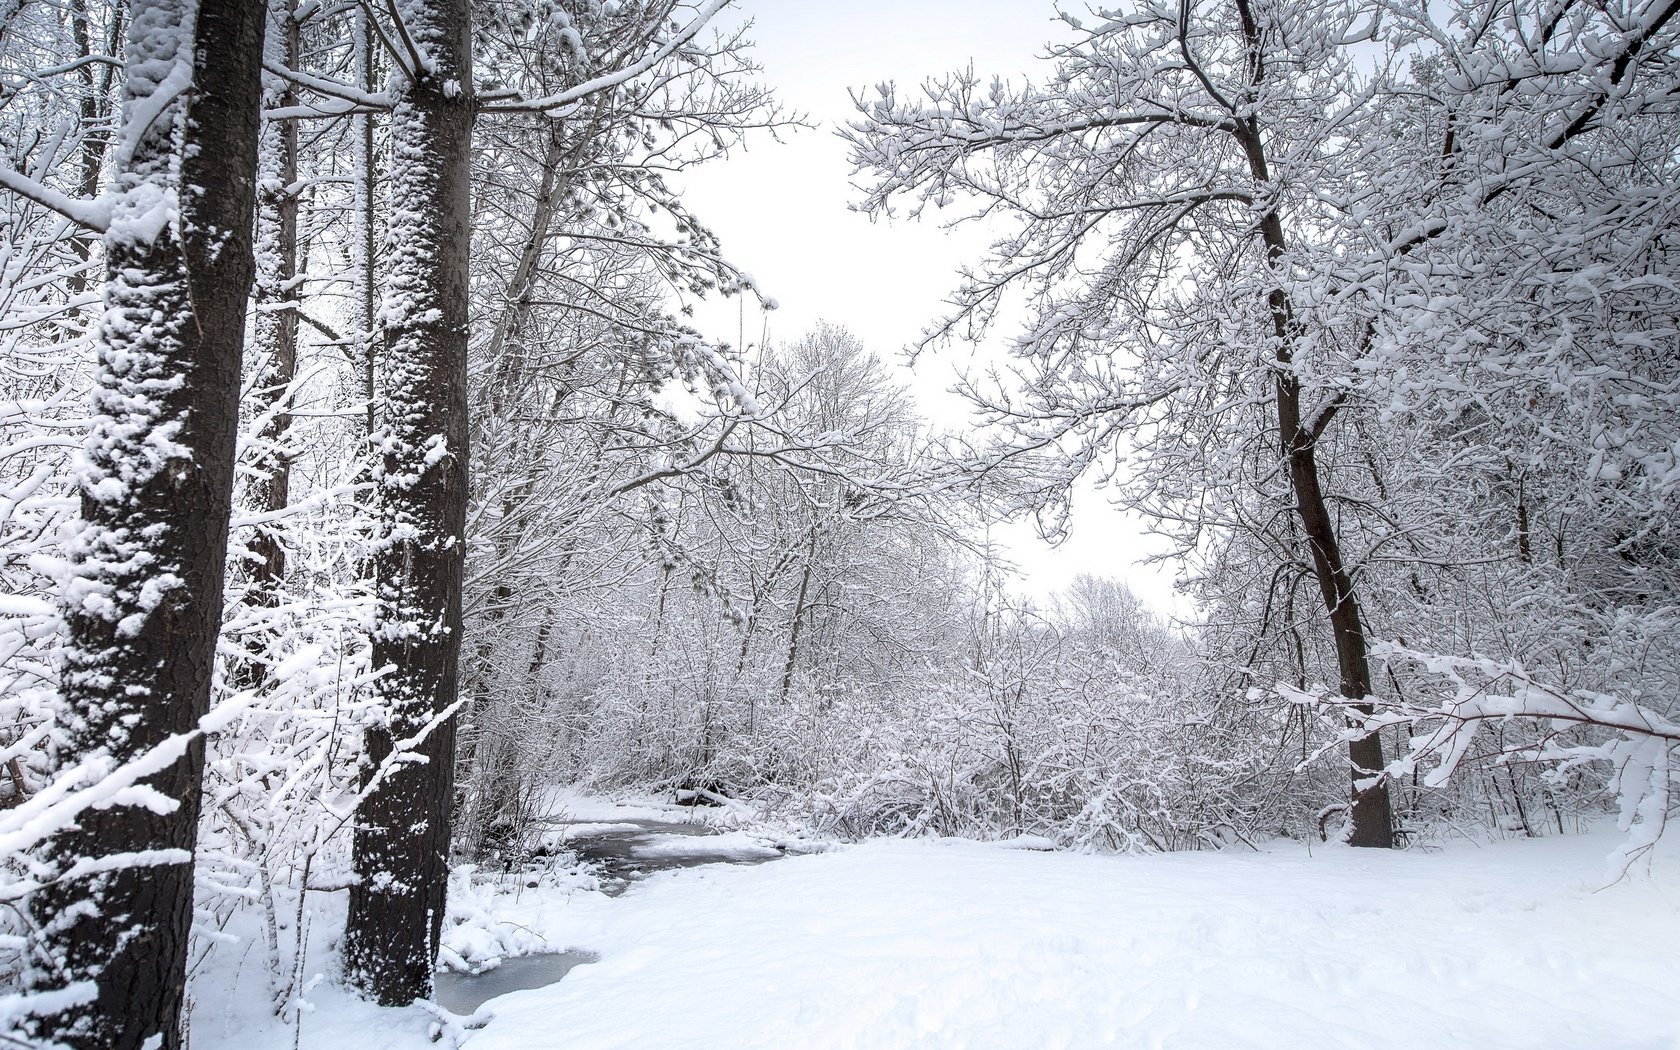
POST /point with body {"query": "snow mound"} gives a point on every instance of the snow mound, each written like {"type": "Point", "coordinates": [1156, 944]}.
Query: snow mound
{"type": "Point", "coordinates": [733, 846]}
{"type": "Point", "coordinates": [1037, 843]}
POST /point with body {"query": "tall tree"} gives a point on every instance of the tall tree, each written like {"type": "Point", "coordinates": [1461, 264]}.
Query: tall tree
{"type": "Point", "coordinates": [1167, 180]}
{"type": "Point", "coordinates": [143, 599]}
{"type": "Point", "coordinates": [403, 828]}
{"type": "Point", "coordinates": [629, 63]}
{"type": "Point", "coordinates": [274, 350]}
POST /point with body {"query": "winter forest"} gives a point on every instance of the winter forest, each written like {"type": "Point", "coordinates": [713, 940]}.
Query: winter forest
{"type": "Point", "coordinates": [408, 584]}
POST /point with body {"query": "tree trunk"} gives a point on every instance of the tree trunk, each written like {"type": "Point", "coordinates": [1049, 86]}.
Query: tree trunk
{"type": "Point", "coordinates": [94, 109]}
{"type": "Point", "coordinates": [367, 189]}
{"type": "Point", "coordinates": [1371, 818]}
{"type": "Point", "coordinates": [274, 333]}
{"type": "Point", "coordinates": [1372, 822]}
{"type": "Point", "coordinates": [506, 369]}
{"type": "Point", "coordinates": [402, 833]}
{"type": "Point", "coordinates": [506, 362]}
{"type": "Point", "coordinates": [798, 616]}
{"type": "Point", "coordinates": [144, 602]}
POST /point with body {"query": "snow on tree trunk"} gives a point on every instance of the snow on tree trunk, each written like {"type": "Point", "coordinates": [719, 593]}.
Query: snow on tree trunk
{"type": "Point", "coordinates": [403, 827]}
{"type": "Point", "coordinates": [143, 593]}
{"type": "Point", "coordinates": [365, 246]}
{"type": "Point", "coordinates": [275, 331]}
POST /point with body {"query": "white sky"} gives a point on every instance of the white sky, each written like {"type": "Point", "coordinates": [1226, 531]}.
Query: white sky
{"type": "Point", "coordinates": [781, 211]}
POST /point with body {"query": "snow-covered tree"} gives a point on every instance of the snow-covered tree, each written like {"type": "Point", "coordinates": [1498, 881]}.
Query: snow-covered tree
{"type": "Point", "coordinates": [1167, 182]}
{"type": "Point", "coordinates": [1340, 293]}
{"type": "Point", "coordinates": [142, 597]}
{"type": "Point", "coordinates": [622, 63]}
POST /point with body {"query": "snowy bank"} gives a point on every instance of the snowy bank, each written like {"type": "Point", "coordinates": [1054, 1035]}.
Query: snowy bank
{"type": "Point", "coordinates": [946, 943]}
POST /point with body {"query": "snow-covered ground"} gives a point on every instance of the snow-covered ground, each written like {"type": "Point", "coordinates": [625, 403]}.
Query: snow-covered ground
{"type": "Point", "coordinates": [942, 943]}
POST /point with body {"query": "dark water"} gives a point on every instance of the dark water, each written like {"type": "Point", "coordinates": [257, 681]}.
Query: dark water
{"type": "Point", "coordinates": [618, 856]}
{"type": "Point", "coordinates": [462, 993]}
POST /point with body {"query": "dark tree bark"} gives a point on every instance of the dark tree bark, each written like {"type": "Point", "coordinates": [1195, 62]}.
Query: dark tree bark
{"type": "Point", "coordinates": [367, 276]}
{"type": "Point", "coordinates": [96, 89]}
{"type": "Point", "coordinates": [1371, 818]}
{"type": "Point", "coordinates": [1372, 821]}
{"type": "Point", "coordinates": [403, 826]}
{"type": "Point", "coordinates": [275, 332]}
{"type": "Point", "coordinates": [799, 607]}
{"type": "Point", "coordinates": [144, 603]}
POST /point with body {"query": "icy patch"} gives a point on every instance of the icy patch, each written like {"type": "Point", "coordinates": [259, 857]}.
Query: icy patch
{"type": "Point", "coordinates": [592, 829]}
{"type": "Point", "coordinates": [464, 993]}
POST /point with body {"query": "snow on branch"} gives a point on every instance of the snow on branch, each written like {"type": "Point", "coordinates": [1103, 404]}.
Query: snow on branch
{"type": "Point", "coordinates": [358, 99]}
{"type": "Point", "coordinates": [1638, 742]}
{"type": "Point", "coordinates": [618, 77]}
{"type": "Point", "coordinates": [94, 783]}
{"type": "Point", "coordinates": [94, 215]}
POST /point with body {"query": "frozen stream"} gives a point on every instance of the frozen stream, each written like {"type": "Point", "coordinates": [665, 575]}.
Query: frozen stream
{"type": "Point", "coordinates": [462, 993]}
{"type": "Point", "coordinates": [619, 853]}
{"type": "Point", "coordinates": [623, 851]}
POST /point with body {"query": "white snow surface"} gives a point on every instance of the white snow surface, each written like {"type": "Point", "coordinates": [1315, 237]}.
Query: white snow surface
{"type": "Point", "coordinates": [567, 804]}
{"type": "Point", "coordinates": [949, 943]}
{"type": "Point", "coordinates": [736, 845]}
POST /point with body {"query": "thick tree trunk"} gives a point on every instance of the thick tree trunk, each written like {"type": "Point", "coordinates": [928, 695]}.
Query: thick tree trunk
{"type": "Point", "coordinates": [144, 603]}
{"type": "Point", "coordinates": [403, 827]}
{"type": "Point", "coordinates": [274, 333]}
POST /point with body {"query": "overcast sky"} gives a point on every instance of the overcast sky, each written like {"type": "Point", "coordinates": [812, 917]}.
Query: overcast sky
{"type": "Point", "coordinates": [781, 211]}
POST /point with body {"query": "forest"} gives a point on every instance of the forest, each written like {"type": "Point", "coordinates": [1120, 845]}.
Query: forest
{"type": "Point", "coordinates": [374, 511]}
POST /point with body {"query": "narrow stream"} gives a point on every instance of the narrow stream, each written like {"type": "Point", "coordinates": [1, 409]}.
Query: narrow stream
{"type": "Point", "coordinates": [624, 851]}
{"type": "Point", "coordinates": [618, 853]}
{"type": "Point", "coordinates": [463, 993]}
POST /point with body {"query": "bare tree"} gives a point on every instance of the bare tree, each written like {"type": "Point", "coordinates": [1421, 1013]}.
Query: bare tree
{"type": "Point", "coordinates": [1155, 148]}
